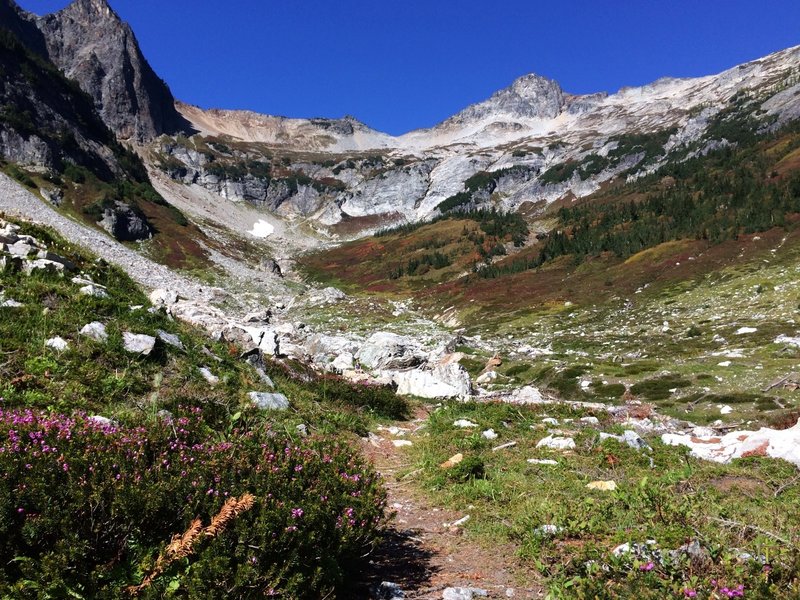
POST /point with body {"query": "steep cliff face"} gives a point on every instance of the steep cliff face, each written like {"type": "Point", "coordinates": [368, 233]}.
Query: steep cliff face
{"type": "Point", "coordinates": [91, 45]}
{"type": "Point", "coordinates": [45, 119]}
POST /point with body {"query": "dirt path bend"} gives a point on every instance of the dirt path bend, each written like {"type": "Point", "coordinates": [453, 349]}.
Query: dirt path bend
{"type": "Point", "coordinates": [424, 554]}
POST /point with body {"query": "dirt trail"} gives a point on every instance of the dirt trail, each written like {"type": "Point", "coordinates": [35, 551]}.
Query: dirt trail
{"type": "Point", "coordinates": [423, 555]}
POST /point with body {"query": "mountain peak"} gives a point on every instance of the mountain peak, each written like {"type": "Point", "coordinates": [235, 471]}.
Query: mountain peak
{"type": "Point", "coordinates": [528, 97]}
{"type": "Point", "coordinates": [93, 8]}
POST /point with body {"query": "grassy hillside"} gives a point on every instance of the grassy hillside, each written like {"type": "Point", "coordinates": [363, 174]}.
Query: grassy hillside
{"type": "Point", "coordinates": [106, 454]}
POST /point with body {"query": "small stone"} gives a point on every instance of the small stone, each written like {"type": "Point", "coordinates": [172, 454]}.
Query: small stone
{"type": "Point", "coordinates": [463, 593]}
{"type": "Point", "coordinates": [388, 590]}
{"type": "Point", "coordinates": [487, 377]}
{"type": "Point", "coordinates": [101, 420]}
{"type": "Point", "coordinates": [401, 443]}
{"type": "Point", "coordinates": [489, 434]}
{"type": "Point", "coordinates": [603, 486]}
{"type": "Point", "coordinates": [208, 375]}
{"type": "Point", "coordinates": [556, 443]}
{"type": "Point", "coordinates": [547, 530]}
{"type": "Point", "coordinates": [269, 400]}
{"type": "Point", "coordinates": [464, 423]}
{"type": "Point", "coordinates": [138, 343]}
{"type": "Point", "coordinates": [169, 338]}
{"type": "Point", "coordinates": [550, 421]}
{"type": "Point", "coordinates": [96, 331]}
{"type": "Point", "coordinates": [542, 461]}
{"type": "Point", "coordinates": [745, 330]}
{"type": "Point", "coordinates": [93, 290]}
{"type": "Point", "coordinates": [459, 522]}
{"type": "Point", "coordinates": [162, 297]}
{"type": "Point", "coordinates": [10, 303]}
{"type": "Point", "coordinates": [452, 461]}
{"type": "Point", "coordinates": [302, 430]}
{"type": "Point", "coordinates": [57, 343]}
{"type": "Point", "coordinates": [504, 446]}
{"type": "Point", "coordinates": [590, 420]}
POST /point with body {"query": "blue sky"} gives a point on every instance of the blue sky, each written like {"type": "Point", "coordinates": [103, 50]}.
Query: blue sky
{"type": "Point", "coordinates": [399, 66]}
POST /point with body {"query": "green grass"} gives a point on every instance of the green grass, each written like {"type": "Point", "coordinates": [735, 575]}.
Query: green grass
{"type": "Point", "coordinates": [672, 500]}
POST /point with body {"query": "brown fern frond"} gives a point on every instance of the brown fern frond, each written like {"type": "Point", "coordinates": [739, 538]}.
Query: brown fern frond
{"type": "Point", "coordinates": [182, 545]}
{"type": "Point", "coordinates": [229, 511]}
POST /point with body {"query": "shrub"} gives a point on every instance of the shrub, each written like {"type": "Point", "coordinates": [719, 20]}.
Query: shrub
{"type": "Point", "coordinates": [86, 508]}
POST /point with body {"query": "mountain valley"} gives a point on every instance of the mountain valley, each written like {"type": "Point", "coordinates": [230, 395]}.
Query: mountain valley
{"type": "Point", "coordinates": [570, 322]}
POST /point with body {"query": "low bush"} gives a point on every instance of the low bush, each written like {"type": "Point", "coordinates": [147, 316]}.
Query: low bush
{"type": "Point", "coordinates": [87, 507]}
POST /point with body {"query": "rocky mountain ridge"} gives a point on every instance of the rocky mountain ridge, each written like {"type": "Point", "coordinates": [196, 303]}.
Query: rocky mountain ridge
{"type": "Point", "coordinates": [528, 146]}
{"type": "Point", "coordinates": [91, 45]}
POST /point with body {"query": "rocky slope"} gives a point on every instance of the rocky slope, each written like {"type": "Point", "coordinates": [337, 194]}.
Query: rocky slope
{"type": "Point", "coordinates": [529, 145]}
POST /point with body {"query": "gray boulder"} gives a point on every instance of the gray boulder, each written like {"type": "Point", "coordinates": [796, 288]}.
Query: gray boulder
{"type": "Point", "coordinates": [389, 351]}
{"type": "Point", "coordinates": [138, 343]}
{"type": "Point", "coordinates": [125, 223]}
{"type": "Point", "coordinates": [95, 330]}
{"type": "Point", "coordinates": [269, 400]}
{"type": "Point", "coordinates": [446, 379]}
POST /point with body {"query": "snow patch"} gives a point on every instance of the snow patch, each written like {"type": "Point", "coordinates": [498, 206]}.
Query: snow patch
{"type": "Point", "coordinates": [262, 229]}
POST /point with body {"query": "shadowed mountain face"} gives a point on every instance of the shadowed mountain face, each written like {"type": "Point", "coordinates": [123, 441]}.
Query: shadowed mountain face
{"type": "Point", "coordinates": [89, 43]}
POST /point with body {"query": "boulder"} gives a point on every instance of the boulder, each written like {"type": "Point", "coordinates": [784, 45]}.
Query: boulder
{"type": "Point", "coordinates": [43, 265]}
{"type": "Point", "coordinates": [259, 316]}
{"type": "Point", "coordinates": [138, 343]}
{"type": "Point", "coordinates": [269, 400]}
{"type": "Point", "coordinates": [447, 379]}
{"type": "Point", "coordinates": [343, 362]}
{"type": "Point", "coordinates": [125, 223]}
{"type": "Point", "coordinates": [776, 443]}
{"type": "Point", "coordinates": [68, 264]}
{"type": "Point", "coordinates": [629, 437]}
{"type": "Point", "coordinates": [264, 338]}
{"type": "Point", "coordinates": [526, 395]}
{"type": "Point", "coordinates": [328, 295]}
{"type": "Point", "coordinates": [21, 248]}
{"type": "Point", "coordinates": [95, 330]}
{"type": "Point", "coordinates": [10, 303]}
{"type": "Point", "coordinates": [486, 377]}
{"type": "Point", "coordinates": [325, 348]}
{"type": "Point", "coordinates": [388, 590]}
{"type": "Point", "coordinates": [101, 421]}
{"type": "Point", "coordinates": [389, 351]}
{"type": "Point", "coordinates": [270, 265]}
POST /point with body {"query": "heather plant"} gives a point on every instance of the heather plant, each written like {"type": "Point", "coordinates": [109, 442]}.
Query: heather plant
{"type": "Point", "coordinates": [95, 509]}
